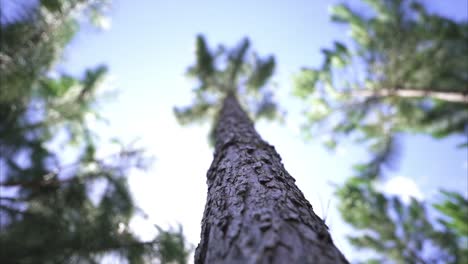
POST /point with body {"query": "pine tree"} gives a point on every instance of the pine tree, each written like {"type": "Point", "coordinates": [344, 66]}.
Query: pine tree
{"type": "Point", "coordinates": [254, 211]}
{"type": "Point", "coordinates": [47, 211]}
{"type": "Point", "coordinates": [403, 72]}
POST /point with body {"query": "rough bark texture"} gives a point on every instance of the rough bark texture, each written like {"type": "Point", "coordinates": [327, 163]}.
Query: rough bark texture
{"type": "Point", "coordinates": [254, 211]}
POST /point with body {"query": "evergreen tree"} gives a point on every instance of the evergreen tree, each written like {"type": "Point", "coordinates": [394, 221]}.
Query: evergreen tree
{"type": "Point", "coordinates": [404, 71]}
{"type": "Point", "coordinates": [48, 213]}
{"type": "Point", "coordinates": [254, 212]}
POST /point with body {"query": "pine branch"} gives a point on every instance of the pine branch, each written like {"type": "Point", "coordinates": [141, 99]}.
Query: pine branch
{"type": "Point", "coordinates": [50, 179]}
{"type": "Point", "coordinates": [455, 97]}
{"type": "Point", "coordinates": [14, 211]}
{"type": "Point", "coordinates": [11, 199]}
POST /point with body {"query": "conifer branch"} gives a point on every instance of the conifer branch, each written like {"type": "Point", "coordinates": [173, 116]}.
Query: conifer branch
{"type": "Point", "coordinates": [449, 96]}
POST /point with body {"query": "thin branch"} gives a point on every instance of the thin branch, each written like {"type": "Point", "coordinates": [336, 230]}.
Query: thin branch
{"type": "Point", "coordinates": [12, 199]}
{"type": "Point", "coordinates": [50, 179]}
{"type": "Point", "coordinates": [455, 97]}
{"type": "Point", "coordinates": [14, 211]}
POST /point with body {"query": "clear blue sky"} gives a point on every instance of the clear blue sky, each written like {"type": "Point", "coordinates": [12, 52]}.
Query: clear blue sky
{"type": "Point", "coordinates": [148, 48]}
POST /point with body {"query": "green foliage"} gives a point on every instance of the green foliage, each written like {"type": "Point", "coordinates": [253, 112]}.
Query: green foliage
{"type": "Point", "coordinates": [388, 78]}
{"type": "Point", "coordinates": [262, 72]}
{"type": "Point", "coordinates": [402, 71]}
{"type": "Point", "coordinates": [49, 210]}
{"type": "Point", "coordinates": [172, 247]}
{"type": "Point", "coordinates": [224, 71]}
{"type": "Point", "coordinates": [400, 232]}
{"type": "Point", "coordinates": [204, 67]}
{"type": "Point", "coordinates": [455, 207]}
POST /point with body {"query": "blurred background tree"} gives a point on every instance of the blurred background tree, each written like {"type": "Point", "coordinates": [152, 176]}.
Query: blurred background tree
{"type": "Point", "coordinates": [404, 70]}
{"type": "Point", "coordinates": [59, 201]}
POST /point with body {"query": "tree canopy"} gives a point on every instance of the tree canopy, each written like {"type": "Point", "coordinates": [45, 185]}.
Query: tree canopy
{"type": "Point", "coordinates": [220, 71]}
{"type": "Point", "coordinates": [402, 71]}
{"type": "Point", "coordinates": [53, 210]}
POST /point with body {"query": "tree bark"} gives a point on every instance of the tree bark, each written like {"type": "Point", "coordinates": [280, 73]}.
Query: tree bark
{"type": "Point", "coordinates": [254, 212]}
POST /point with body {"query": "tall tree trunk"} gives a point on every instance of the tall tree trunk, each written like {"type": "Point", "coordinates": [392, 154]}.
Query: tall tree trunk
{"type": "Point", "coordinates": [254, 211]}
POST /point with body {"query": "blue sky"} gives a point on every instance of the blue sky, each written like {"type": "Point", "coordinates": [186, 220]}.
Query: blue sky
{"type": "Point", "coordinates": [148, 48]}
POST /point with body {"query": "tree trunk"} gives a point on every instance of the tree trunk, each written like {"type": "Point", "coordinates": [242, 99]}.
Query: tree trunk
{"type": "Point", "coordinates": [254, 211]}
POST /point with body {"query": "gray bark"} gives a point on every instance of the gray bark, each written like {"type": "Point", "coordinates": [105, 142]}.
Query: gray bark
{"type": "Point", "coordinates": [254, 211]}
